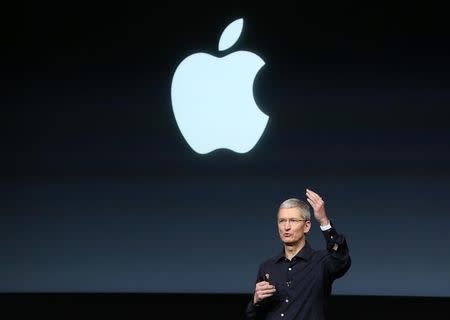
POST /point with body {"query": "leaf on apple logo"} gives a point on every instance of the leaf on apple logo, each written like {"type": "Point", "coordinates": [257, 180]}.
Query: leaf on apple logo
{"type": "Point", "coordinates": [231, 34]}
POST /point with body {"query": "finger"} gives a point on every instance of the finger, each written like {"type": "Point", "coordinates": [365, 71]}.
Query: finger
{"type": "Point", "coordinates": [265, 284]}
{"type": "Point", "coordinates": [267, 291]}
{"type": "Point", "coordinates": [264, 292]}
{"type": "Point", "coordinates": [311, 194]}
{"type": "Point", "coordinates": [262, 284]}
{"type": "Point", "coordinates": [263, 296]}
{"type": "Point", "coordinates": [311, 198]}
{"type": "Point", "coordinates": [314, 204]}
{"type": "Point", "coordinates": [316, 201]}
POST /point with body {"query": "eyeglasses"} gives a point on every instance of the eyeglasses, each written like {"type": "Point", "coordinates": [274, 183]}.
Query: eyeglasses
{"type": "Point", "coordinates": [291, 221]}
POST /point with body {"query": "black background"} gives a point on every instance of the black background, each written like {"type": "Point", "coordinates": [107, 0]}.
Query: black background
{"type": "Point", "coordinates": [102, 193]}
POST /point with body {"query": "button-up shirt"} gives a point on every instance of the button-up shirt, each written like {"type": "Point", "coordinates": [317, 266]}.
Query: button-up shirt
{"type": "Point", "coordinates": [304, 283]}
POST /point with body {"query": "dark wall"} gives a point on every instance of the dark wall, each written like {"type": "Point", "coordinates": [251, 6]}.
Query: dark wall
{"type": "Point", "coordinates": [100, 191]}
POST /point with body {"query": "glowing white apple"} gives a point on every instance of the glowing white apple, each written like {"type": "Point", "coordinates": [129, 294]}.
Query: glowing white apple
{"type": "Point", "coordinates": [212, 98]}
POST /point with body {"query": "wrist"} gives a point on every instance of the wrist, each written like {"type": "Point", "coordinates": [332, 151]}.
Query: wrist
{"type": "Point", "coordinates": [324, 222]}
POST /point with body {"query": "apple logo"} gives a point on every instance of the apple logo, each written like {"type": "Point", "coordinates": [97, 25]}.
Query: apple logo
{"type": "Point", "coordinates": [212, 98]}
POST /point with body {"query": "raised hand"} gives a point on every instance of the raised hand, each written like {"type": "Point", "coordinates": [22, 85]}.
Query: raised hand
{"type": "Point", "coordinates": [318, 206]}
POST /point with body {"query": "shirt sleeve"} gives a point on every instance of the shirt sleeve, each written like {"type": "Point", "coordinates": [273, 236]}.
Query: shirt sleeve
{"type": "Point", "coordinates": [251, 312]}
{"type": "Point", "coordinates": [339, 260]}
{"type": "Point", "coordinates": [257, 311]}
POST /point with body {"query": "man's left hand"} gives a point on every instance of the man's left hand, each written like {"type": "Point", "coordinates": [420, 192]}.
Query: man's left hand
{"type": "Point", "coordinates": [318, 206]}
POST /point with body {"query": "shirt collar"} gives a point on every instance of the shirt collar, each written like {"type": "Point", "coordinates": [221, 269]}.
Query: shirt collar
{"type": "Point", "coordinates": [304, 253]}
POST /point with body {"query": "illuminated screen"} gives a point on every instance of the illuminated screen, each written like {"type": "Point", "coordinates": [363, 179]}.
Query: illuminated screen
{"type": "Point", "coordinates": [149, 153]}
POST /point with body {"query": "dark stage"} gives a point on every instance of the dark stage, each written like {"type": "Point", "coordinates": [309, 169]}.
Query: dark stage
{"type": "Point", "coordinates": [208, 306]}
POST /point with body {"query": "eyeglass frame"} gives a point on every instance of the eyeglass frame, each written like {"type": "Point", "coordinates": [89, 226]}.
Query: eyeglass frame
{"type": "Point", "coordinates": [293, 221]}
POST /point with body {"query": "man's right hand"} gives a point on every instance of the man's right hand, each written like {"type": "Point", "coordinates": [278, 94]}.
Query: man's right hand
{"type": "Point", "coordinates": [263, 290]}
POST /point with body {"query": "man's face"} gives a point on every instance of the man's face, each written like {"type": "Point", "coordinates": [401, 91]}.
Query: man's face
{"type": "Point", "coordinates": [292, 226]}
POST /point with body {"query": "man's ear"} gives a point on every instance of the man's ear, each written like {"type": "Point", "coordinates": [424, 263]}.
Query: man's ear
{"type": "Point", "coordinates": [307, 226]}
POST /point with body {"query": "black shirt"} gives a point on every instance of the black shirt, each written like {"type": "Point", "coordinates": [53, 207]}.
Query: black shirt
{"type": "Point", "coordinates": [303, 283]}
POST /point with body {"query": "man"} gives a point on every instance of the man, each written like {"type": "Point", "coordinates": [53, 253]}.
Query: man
{"type": "Point", "coordinates": [297, 283]}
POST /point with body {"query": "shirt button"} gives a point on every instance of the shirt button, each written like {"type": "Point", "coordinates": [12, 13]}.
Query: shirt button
{"type": "Point", "coordinates": [287, 300]}
{"type": "Point", "coordinates": [290, 269]}
{"type": "Point", "coordinates": [282, 314]}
